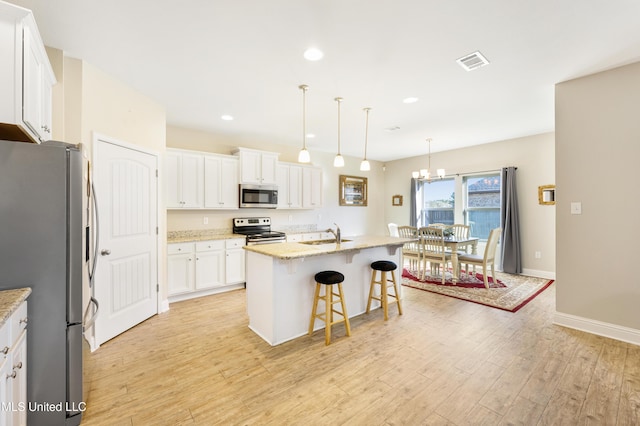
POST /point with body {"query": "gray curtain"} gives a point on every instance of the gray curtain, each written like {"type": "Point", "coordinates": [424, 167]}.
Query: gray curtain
{"type": "Point", "coordinates": [511, 257]}
{"type": "Point", "coordinates": [413, 219]}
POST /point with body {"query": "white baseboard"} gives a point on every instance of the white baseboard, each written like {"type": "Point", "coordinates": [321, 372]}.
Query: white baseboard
{"type": "Point", "coordinates": [613, 331]}
{"type": "Point", "coordinates": [164, 306]}
{"type": "Point", "coordinates": [540, 274]}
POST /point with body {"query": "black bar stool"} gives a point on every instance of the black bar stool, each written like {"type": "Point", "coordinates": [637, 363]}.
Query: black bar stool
{"type": "Point", "coordinates": [384, 266]}
{"type": "Point", "coordinates": [329, 279]}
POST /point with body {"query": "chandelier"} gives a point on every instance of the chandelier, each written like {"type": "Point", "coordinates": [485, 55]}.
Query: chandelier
{"type": "Point", "coordinates": [425, 174]}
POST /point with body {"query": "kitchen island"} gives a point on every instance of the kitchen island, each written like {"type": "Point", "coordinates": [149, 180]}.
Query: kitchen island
{"type": "Point", "coordinates": [280, 281]}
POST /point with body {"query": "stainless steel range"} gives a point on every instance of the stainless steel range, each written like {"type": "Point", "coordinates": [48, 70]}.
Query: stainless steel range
{"type": "Point", "coordinates": [258, 230]}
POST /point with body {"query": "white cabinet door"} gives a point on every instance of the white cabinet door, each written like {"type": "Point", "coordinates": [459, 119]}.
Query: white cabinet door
{"type": "Point", "coordinates": [209, 269]}
{"type": "Point", "coordinates": [221, 182]}
{"type": "Point", "coordinates": [192, 172]}
{"type": "Point", "coordinates": [258, 167]}
{"type": "Point", "coordinates": [311, 187]}
{"type": "Point", "coordinates": [282, 180]}
{"type": "Point", "coordinates": [34, 89]}
{"type": "Point", "coordinates": [209, 264]}
{"type": "Point", "coordinates": [229, 178]}
{"type": "Point", "coordinates": [184, 174]}
{"type": "Point", "coordinates": [289, 186]}
{"type": "Point", "coordinates": [5, 389]}
{"type": "Point", "coordinates": [173, 181]}
{"type": "Point", "coordinates": [268, 166]}
{"type": "Point", "coordinates": [19, 379]}
{"type": "Point", "coordinates": [180, 268]}
{"type": "Point", "coordinates": [250, 166]}
{"type": "Point", "coordinates": [235, 265]}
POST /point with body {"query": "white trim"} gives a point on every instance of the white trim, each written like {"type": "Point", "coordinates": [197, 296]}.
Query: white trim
{"type": "Point", "coordinates": [164, 306]}
{"type": "Point", "coordinates": [613, 331]}
{"type": "Point", "coordinates": [540, 274]}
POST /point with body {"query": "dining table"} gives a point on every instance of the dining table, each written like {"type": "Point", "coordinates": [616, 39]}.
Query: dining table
{"type": "Point", "coordinates": [454, 244]}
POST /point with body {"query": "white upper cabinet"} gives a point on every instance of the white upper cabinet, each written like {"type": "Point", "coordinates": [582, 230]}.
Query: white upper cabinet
{"type": "Point", "coordinates": [289, 186]}
{"type": "Point", "coordinates": [257, 167]}
{"type": "Point", "coordinates": [311, 187]}
{"type": "Point", "coordinates": [184, 180]}
{"type": "Point", "coordinates": [221, 182]}
{"type": "Point", "coordinates": [26, 78]}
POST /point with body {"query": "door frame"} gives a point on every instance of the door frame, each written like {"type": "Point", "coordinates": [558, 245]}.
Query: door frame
{"type": "Point", "coordinates": [101, 138]}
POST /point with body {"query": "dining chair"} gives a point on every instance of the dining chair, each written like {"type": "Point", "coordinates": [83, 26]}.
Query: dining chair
{"type": "Point", "coordinates": [393, 230]}
{"type": "Point", "coordinates": [485, 260]}
{"type": "Point", "coordinates": [461, 231]}
{"type": "Point", "coordinates": [433, 250]}
{"type": "Point", "coordinates": [410, 250]}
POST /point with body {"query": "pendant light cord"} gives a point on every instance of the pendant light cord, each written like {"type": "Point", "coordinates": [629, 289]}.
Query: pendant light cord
{"type": "Point", "coordinates": [303, 87]}
{"type": "Point", "coordinates": [338, 100]}
{"type": "Point", "coordinates": [366, 132]}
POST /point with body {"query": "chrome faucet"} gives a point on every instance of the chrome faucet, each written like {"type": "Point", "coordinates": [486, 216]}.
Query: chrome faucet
{"type": "Point", "coordinates": [336, 233]}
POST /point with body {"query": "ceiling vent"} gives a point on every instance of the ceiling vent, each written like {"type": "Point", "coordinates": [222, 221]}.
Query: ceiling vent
{"type": "Point", "coordinates": [472, 61]}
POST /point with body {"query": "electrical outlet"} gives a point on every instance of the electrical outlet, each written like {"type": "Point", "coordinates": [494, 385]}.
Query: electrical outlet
{"type": "Point", "coordinates": [205, 220]}
{"type": "Point", "coordinates": [290, 218]}
{"type": "Point", "coordinates": [538, 255]}
{"type": "Point", "coordinates": [576, 207]}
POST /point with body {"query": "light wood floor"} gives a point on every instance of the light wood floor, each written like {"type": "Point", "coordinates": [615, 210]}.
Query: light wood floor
{"type": "Point", "coordinates": [444, 362]}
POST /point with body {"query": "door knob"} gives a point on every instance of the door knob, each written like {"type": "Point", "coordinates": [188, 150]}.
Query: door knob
{"type": "Point", "coordinates": [105, 252]}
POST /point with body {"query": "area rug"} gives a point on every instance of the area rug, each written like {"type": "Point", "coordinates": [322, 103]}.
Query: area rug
{"type": "Point", "coordinates": [509, 292]}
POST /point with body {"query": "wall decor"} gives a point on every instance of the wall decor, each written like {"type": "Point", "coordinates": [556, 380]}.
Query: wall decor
{"type": "Point", "coordinates": [396, 200]}
{"type": "Point", "coordinates": [547, 194]}
{"type": "Point", "coordinates": [353, 190]}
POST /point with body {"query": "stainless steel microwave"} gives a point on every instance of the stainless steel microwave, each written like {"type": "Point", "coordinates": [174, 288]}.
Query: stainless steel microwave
{"type": "Point", "coordinates": [258, 196]}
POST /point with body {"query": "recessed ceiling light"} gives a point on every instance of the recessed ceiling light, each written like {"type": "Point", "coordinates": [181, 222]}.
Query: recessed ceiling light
{"type": "Point", "coordinates": [410, 100]}
{"type": "Point", "coordinates": [311, 135]}
{"type": "Point", "coordinates": [227, 117]}
{"type": "Point", "coordinates": [313, 54]}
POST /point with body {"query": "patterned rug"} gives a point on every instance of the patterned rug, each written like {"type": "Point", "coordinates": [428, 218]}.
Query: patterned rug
{"type": "Point", "coordinates": [509, 292]}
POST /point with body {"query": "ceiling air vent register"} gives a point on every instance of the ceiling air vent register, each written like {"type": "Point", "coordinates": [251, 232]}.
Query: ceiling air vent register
{"type": "Point", "coordinates": [472, 61]}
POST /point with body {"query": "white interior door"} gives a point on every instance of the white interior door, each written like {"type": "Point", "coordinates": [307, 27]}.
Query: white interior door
{"type": "Point", "coordinates": [126, 276]}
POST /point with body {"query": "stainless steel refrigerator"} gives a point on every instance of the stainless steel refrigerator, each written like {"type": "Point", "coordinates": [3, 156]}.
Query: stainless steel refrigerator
{"type": "Point", "coordinates": [41, 236]}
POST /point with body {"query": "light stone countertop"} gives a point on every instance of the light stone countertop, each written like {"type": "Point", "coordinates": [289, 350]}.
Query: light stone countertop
{"type": "Point", "coordinates": [10, 300]}
{"type": "Point", "coordinates": [203, 235]}
{"type": "Point", "coordinates": [288, 251]}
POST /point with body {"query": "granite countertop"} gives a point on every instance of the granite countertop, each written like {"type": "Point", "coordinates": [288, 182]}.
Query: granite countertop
{"type": "Point", "coordinates": [204, 235]}
{"type": "Point", "coordinates": [300, 250]}
{"type": "Point", "coordinates": [10, 300]}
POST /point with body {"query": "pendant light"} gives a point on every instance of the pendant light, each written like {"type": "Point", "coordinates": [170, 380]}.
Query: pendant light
{"type": "Point", "coordinates": [364, 165]}
{"type": "Point", "coordinates": [339, 160]}
{"type": "Point", "coordinates": [425, 174]}
{"type": "Point", "coordinates": [304, 156]}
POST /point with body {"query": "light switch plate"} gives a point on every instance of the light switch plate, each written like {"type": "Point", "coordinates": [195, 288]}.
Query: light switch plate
{"type": "Point", "coordinates": [576, 208]}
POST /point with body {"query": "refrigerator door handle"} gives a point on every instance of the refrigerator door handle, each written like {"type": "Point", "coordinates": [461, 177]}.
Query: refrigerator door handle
{"type": "Point", "coordinates": [88, 323]}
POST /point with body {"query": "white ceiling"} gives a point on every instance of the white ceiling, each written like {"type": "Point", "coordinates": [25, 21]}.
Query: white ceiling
{"type": "Point", "coordinates": [205, 58]}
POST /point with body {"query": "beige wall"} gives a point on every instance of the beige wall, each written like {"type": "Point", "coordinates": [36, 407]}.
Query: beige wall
{"type": "Point", "coordinates": [352, 220]}
{"type": "Point", "coordinates": [597, 152]}
{"type": "Point", "coordinates": [86, 100]}
{"type": "Point", "coordinates": [534, 157]}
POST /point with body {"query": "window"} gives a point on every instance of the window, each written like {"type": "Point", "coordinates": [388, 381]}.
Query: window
{"type": "Point", "coordinates": [482, 203]}
{"type": "Point", "coordinates": [438, 202]}
{"type": "Point", "coordinates": [472, 199]}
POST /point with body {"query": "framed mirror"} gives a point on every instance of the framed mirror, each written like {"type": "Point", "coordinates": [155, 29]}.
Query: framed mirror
{"type": "Point", "coordinates": [547, 194]}
{"type": "Point", "coordinates": [353, 190]}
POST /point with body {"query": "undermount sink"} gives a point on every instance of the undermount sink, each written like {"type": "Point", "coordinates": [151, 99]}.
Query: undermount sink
{"type": "Point", "coordinates": [318, 242]}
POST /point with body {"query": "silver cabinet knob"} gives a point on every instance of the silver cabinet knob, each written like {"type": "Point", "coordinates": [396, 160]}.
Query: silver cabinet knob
{"type": "Point", "coordinates": [105, 252]}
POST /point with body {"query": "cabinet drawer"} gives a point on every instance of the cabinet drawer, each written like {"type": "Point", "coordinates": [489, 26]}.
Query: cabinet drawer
{"type": "Point", "coordinates": [311, 236]}
{"type": "Point", "coordinates": [18, 322]}
{"type": "Point", "coordinates": [235, 243]}
{"type": "Point", "coordinates": [209, 245]}
{"type": "Point", "coordinates": [180, 248]}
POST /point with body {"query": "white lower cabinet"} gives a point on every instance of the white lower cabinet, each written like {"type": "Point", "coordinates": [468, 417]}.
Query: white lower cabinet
{"type": "Point", "coordinates": [205, 267]}
{"type": "Point", "coordinates": [13, 368]}
{"type": "Point", "coordinates": [210, 258]}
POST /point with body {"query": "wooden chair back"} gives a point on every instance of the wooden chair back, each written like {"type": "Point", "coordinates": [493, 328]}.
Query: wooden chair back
{"type": "Point", "coordinates": [460, 231]}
